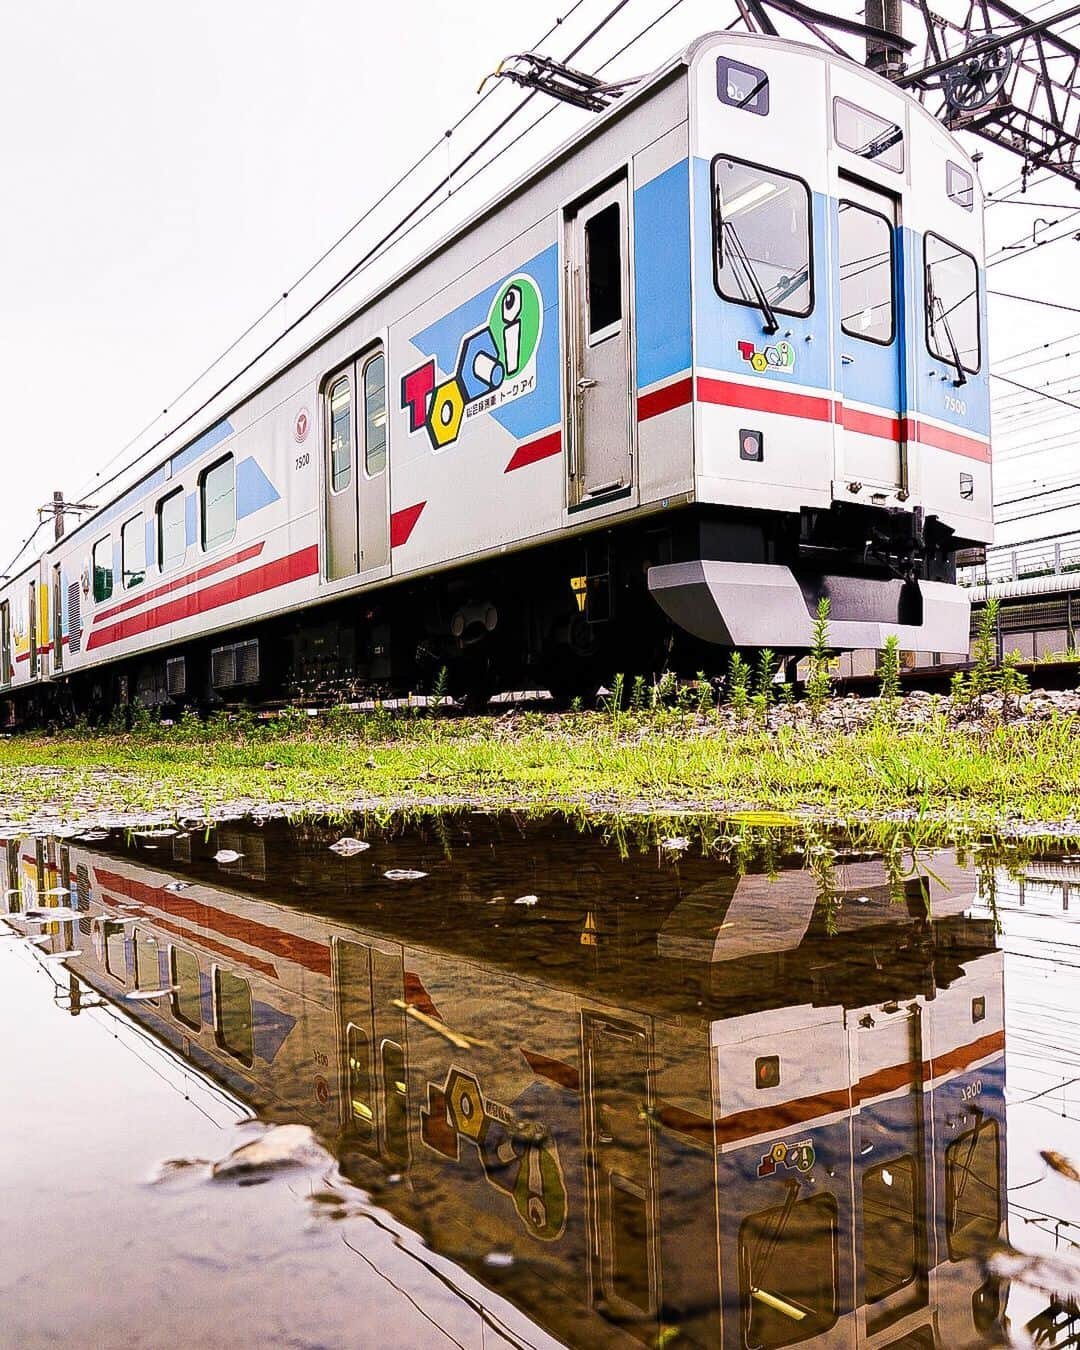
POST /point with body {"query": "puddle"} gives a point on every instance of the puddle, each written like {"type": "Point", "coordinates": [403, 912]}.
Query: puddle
{"type": "Point", "coordinates": [481, 1081]}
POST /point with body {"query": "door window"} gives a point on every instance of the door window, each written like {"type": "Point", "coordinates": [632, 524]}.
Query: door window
{"type": "Point", "coordinates": [103, 568]}
{"type": "Point", "coordinates": [187, 987]}
{"type": "Point", "coordinates": [172, 529]}
{"type": "Point", "coordinates": [360, 1115]}
{"type": "Point", "coordinates": [889, 1217]}
{"type": "Point", "coordinates": [972, 1191]}
{"type": "Point", "coordinates": [866, 274]}
{"type": "Point", "coordinates": [234, 1030]}
{"type": "Point", "coordinates": [5, 642]}
{"type": "Point", "coordinates": [375, 416]}
{"type": "Point", "coordinates": [603, 273]}
{"type": "Point", "coordinates": [339, 410]}
{"type": "Point", "coordinates": [133, 552]}
{"type": "Point", "coordinates": [217, 496]}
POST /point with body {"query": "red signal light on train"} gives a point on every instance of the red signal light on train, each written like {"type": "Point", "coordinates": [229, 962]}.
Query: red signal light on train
{"type": "Point", "coordinates": [767, 1071]}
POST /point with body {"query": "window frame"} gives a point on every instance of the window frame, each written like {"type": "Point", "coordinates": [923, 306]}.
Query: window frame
{"type": "Point", "coordinates": [893, 297]}
{"type": "Point", "coordinates": [723, 65]}
{"type": "Point", "coordinates": [204, 545]}
{"type": "Point", "coordinates": [968, 370]}
{"type": "Point", "coordinates": [902, 1160]}
{"type": "Point", "coordinates": [219, 1035]}
{"type": "Point", "coordinates": [159, 509]}
{"type": "Point", "coordinates": [952, 167]}
{"type": "Point", "coordinates": [105, 539]}
{"type": "Point", "coordinates": [174, 997]}
{"type": "Point", "coordinates": [823, 1199]}
{"type": "Point", "coordinates": [363, 366]}
{"type": "Point", "coordinates": [126, 585]}
{"type": "Point", "coordinates": [345, 373]}
{"type": "Point", "coordinates": [595, 337]}
{"type": "Point", "coordinates": [717, 237]}
{"type": "Point", "coordinates": [961, 1251]}
{"type": "Point", "coordinates": [5, 643]}
{"type": "Point", "coordinates": [838, 100]}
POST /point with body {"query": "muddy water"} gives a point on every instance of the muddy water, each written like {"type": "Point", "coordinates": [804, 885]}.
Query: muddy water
{"type": "Point", "coordinates": [486, 1082]}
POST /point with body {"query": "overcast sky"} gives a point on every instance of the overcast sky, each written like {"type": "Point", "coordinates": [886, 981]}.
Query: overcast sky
{"type": "Point", "coordinates": [167, 174]}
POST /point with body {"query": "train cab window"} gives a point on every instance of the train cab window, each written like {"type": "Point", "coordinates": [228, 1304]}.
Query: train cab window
{"type": "Point", "coordinates": [761, 224]}
{"type": "Point", "coordinates": [233, 1015]}
{"type": "Point", "coordinates": [866, 274]}
{"type": "Point", "coordinates": [742, 86]}
{"type": "Point", "coordinates": [339, 421]}
{"type": "Point", "coordinates": [375, 416]}
{"type": "Point", "coordinates": [959, 186]}
{"type": "Point", "coordinates": [972, 1191]}
{"type": "Point", "coordinates": [952, 304]}
{"type": "Point", "coordinates": [868, 135]}
{"type": "Point", "coordinates": [187, 987]}
{"type": "Point", "coordinates": [217, 502]}
{"type": "Point", "coordinates": [133, 552]}
{"type": "Point", "coordinates": [788, 1265]}
{"type": "Point", "coordinates": [103, 568]}
{"type": "Point", "coordinates": [395, 1102]}
{"type": "Point", "coordinates": [171, 529]}
{"type": "Point", "coordinates": [603, 273]}
{"type": "Point", "coordinates": [889, 1232]}
{"type": "Point", "coordinates": [360, 1114]}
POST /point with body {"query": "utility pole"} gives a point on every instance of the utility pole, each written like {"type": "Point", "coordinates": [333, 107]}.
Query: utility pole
{"type": "Point", "coordinates": [881, 56]}
{"type": "Point", "coordinates": [58, 508]}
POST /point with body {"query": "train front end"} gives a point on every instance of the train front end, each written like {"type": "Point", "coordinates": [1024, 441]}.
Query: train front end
{"type": "Point", "coordinates": [841, 399]}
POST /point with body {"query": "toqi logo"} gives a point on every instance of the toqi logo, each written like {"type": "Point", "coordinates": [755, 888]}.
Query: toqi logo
{"type": "Point", "coordinates": [798, 1156]}
{"type": "Point", "coordinates": [779, 358]}
{"type": "Point", "coordinates": [496, 364]}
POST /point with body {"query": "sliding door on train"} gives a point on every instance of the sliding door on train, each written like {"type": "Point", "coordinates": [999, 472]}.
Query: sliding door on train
{"type": "Point", "coordinates": [599, 430]}
{"type": "Point", "coordinates": [357, 538]}
{"type": "Point", "coordinates": [871, 450]}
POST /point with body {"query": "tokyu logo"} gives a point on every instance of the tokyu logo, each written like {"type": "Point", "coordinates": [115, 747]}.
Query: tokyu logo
{"type": "Point", "coordinates": [495, 365]}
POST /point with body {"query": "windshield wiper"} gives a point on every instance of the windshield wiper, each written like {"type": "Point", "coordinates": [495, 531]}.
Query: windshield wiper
{"type": "Point", "coordinates": [885, 140]}
{"type": "Point", "coordinates": [961, 378]}
{"type": "Point", "coordinates": [743, 258]}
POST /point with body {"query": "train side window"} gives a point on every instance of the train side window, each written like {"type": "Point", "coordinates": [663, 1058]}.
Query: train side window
{"type": "Point", "coordinates": [358, 1058]}
{"type": "Point", "coordinates": [788, 1264]}
{"type": "Point", "coordinates": [952, 304]}
{"type": "Point", "coordinates": [375, 415]}
{"type": "Point", "coordinates": [866, 274]}
{"type": "Point", "coordinates": [103, 568]}
{"type": "Point", "coordinates": [868, 135]}
{"type": "Point", "coordinates": [972, 1191]}
{"type": "Point", "coordinates": [603, 273]}
{"type": "Point", "coordinates": [147, 970]}
{"type": "Point", "coordinates": [115, 949]}
{"type": "Point", "coordinates": [217, 502]}
{"type": "Point", "coordinates": [761, 228]}
{"type": "Point", "coordinates": [959, 185]}
{"type": "Point", "coordinates": [889, 1233]}
{"type": "Point", "coordinates": [233, 1015]}
{"type": "Point", "coordinates": [742, 86]}
{"type": "Point", "coordinates": [339, 423]}
{"type": "Point", "coordinates": [133, 553]}
{"type": "Point", "coordinates": [187, 987]}
{"type": "Point", "coordinates": [171, 529]}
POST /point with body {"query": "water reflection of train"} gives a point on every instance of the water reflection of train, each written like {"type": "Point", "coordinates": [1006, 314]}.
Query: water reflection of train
{"type": "Point", "coordinates": [761, 1111]}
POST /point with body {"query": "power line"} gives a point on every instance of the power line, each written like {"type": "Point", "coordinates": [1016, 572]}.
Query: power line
{"type": "Point", "coordinates": [996, 375]}
{"type": "Point", "coordinates": [1034, 300]}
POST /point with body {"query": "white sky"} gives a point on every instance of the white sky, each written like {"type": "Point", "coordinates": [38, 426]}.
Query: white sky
{"type": "Point", "coordinates": [165, 179]}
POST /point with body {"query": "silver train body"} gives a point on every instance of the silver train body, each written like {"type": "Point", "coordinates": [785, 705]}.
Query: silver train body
{"type": "Point", "coordinates": [722, 354]}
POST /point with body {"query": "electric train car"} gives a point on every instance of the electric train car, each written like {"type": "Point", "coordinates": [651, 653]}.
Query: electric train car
{"type": "Point", "coordinates": [739, 1106]}
{"type": "Point", "coordinates": [721, 355]}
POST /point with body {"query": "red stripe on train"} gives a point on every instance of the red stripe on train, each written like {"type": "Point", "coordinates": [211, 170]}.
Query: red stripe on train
{"type": "Point", "coordinates": [403, 522]}
{"type": "Point", "coordinates": [293, 567]}
{"type": "Point", "coordinates": [200, 574]}
{"type": "Point", "coordinates": [534, 451]}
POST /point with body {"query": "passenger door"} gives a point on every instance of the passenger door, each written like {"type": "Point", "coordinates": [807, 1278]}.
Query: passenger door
{"type": "Point", "coordinates": [871, 448]}
{"type": "Point", "coordinates": [599, 429]}
{"type": "Point", "coordinates": [355, 469]}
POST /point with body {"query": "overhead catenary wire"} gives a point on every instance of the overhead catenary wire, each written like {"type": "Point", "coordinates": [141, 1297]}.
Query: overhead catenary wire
{"type": "Point", "coordinates": [395, 234]}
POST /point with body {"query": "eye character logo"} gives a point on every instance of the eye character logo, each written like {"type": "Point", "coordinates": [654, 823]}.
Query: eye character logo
{"type": "Point", "coordinates": [495, 365]}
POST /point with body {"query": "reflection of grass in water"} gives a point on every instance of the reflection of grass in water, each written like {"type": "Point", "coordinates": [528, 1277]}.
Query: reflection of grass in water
{"type": "Point", "coordinates": [939, 777]}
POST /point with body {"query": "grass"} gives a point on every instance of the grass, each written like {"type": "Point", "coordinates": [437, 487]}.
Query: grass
{"type": "Point", "coordinates": [619, 759]}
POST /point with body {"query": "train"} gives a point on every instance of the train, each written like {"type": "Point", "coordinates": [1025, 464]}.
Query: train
{"type": "Point", "coordinates": [710, 362]}
{"type": "Point", "coordinates": [758, 1106]}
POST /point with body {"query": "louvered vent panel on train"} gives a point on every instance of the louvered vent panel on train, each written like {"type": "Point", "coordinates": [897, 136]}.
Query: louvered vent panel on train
{"type": "Point", "coordinates": [181, 848]}
{"type": "Point", "coordinates": [82, 886]}
{"type": "Point", "coordinates": [74, 617]}
{"type": "Point", "coordinates": [235, 665]}
{"type": "Point", "coordinates": [176, 676]}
